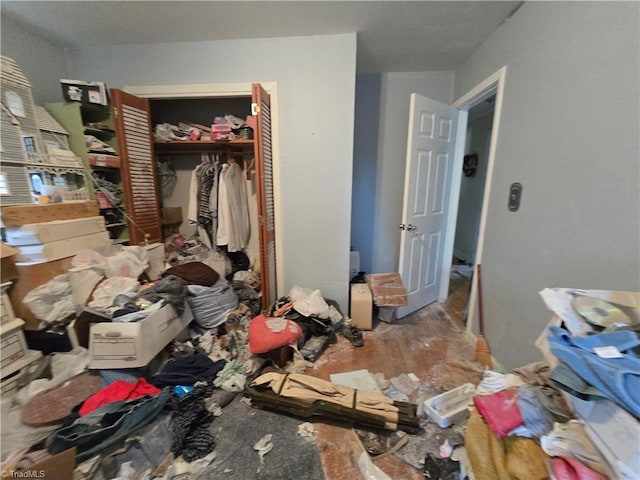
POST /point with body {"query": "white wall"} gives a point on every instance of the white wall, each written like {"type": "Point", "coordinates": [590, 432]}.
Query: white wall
{"type": "Point", "coordinates": [315, 78]}
{"type": "Point", "coordinates": [41, 60]}
{"type": "Point", "coordinates": [382, 112]}
{"type": "Point", "coordinates": [569, 134]}
{"type": "Point", "coordinates": [472, 188]}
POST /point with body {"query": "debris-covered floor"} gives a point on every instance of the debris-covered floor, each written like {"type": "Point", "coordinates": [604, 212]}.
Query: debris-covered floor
{"type": "Point", "coordinates": [428, 344]}
{"type": "Point", "coordinates": [224, 436]}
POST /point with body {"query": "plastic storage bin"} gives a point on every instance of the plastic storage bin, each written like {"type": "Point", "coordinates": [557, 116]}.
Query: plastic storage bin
{"type": "Point", "coordinates": [449, 407]}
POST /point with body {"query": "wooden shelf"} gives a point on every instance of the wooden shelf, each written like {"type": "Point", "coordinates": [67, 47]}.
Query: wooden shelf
{"type": "Point", "coordinates": [198, 145]}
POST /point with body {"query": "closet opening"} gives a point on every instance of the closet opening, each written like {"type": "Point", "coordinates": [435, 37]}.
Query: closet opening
{"type": "Point", "coordinates": [247, 154]}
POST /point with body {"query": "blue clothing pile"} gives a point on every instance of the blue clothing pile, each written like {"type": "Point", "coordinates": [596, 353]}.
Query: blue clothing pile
{"type": "Point", "coordinates": [617, 376]}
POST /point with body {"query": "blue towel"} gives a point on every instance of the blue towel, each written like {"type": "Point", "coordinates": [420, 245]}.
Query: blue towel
{"type": "Point", "coordinates": [617, 378]}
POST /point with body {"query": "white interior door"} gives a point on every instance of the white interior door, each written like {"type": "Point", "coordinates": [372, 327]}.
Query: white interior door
{"type": "Point", "coordinates": [430, 156]}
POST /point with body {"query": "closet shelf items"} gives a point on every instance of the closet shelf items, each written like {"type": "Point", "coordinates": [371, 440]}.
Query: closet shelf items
{"type": "Point", "coordinates": [103, 160]}
{"type": "Point", "coordinates": [200, 145]}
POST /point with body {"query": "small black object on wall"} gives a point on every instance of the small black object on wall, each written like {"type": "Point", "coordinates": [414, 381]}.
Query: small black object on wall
{"type": "Point", "coordinates": [470, 165]}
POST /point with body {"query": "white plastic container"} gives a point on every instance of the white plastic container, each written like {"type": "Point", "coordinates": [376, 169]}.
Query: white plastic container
{"type": "Point", "coordinates": [449, 407]}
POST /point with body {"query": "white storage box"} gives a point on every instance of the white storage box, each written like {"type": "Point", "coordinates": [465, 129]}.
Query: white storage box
{"type": "Point", "coordinates": [156, 260]}
{"type": "Point", "coordinates": [361, 306]}
{"type": "Point", "coordinates": [48, 252]}
{"type": "Point", "coordinates": [14, 345]}
{"type": "Point", "coordinates": [46, 232]}
{"type": "Point", "coordinates": [613, 431]}
{"type": "Point", "coordinates": [135, 344]}
{"type": "Point", "coordinates": [449, 407]}
{"type": "Point", "coordinates": [6, 309]}
{"type": "Point", "coordinates": [9, 383]}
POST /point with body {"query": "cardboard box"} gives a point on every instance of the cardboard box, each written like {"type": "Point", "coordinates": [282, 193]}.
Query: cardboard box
{"type": "Point", "coordinates": [37, 233]}
{"type": "Point", "coordinates": [171, 215]}
{"type": "Point", "coordinates": [135, 344]}
{"type": "Point", "coordinates": [57, 467]}
{"type": "Point", "coordinates": [387, 289]}
{"type": "Point", "coordinates": [361, 306]}
{"type": "Point", "coordinates": [8, 269]}
{"type": "Point", "coordinates": [30, 277]}
{"type": "Point", "coordinates": [18, 215]}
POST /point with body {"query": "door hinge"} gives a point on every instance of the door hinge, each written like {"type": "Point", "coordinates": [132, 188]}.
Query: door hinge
{"type": "Point", "coordinates": [255, 109]}
{"type": "Point", "coordinates": [115, 112]}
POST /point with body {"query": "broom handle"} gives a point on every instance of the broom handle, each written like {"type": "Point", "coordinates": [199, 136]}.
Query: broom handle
{"type": "Point", "coordinates": [480, 317]}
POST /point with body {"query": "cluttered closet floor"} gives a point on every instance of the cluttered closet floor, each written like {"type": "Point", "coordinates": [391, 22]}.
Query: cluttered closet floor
{"type": "Point", "coordinates": [429, 344]}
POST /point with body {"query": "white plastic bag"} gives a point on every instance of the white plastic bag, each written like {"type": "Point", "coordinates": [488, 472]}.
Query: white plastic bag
{"type": "Point", "coordinates": [52, 301]}
{"type": "Point", "coordinates": [87, 258]}
{"type": "Point", "coordinates": [64, 365]}
{"type": "Point", "coordinates": [107, 291]}
{"type": "Point", "coordinates": [130, 262]}
{"type": "Point", "coordinates": [370, 470]}
{"type": "Point", "coordinates": [310, 303]}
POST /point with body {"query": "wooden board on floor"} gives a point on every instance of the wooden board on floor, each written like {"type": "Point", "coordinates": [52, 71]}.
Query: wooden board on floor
{"type": "Point", "coordinates": [18, 215]}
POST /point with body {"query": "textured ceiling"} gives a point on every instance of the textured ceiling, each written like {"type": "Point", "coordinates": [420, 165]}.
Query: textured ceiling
{"type": "Point", "coordinates": [393, 36]}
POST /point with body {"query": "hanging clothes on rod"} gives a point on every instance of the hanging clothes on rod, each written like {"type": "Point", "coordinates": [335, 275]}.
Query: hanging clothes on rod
{"type": "Point", "coordinates": [233, 210]}
{"type": "Point", "coordinates": [204, 186]}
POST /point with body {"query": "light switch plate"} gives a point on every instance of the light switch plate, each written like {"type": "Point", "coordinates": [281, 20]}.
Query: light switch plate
{"type": "Point", "coordinates": [515, 194]}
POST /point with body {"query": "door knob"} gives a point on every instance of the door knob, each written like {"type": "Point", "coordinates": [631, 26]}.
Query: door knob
{"type": "Point", "coordinates": [402, 226]}
{"type": "Point", "coordinates": [411, 227]}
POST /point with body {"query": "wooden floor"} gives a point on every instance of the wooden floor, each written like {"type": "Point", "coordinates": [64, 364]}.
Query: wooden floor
{"type": "Point", "coordinates": [429, 343]}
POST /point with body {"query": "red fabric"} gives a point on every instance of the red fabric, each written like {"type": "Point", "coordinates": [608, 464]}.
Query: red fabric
{"type": "Point", "coordinates": [568, 468]}
{"type": "Point", "coordinates": [262, 339]}
{"type": "Point", "coordinates": [117, 391]}
{"type": "Point", "coordinates": [500, 411]}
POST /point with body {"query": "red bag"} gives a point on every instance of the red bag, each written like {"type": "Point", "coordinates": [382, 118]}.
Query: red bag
{"type": "Point", "coordinates": [500, 411]}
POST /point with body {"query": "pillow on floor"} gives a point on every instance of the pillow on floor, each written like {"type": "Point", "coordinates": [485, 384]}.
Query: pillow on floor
{"type": "Point", "coordinates": [269, 333]}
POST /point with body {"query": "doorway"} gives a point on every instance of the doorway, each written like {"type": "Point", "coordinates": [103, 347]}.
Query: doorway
{"type": "Point", "coordinates": [435, 187]}
{"type": "Point", "coordinates": [491, 87]}
{"type": "Point", "coordinates": [472, 186]}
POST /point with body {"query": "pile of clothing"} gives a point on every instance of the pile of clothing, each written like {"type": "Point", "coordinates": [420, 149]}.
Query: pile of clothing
{"type": "Point", "coordinates": [521, 427]}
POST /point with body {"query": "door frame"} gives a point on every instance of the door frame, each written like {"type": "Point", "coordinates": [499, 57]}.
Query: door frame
{"type": "Point", "coordinates": [199, 90]}
{"type": "Point", "coordinates": [492, 85]}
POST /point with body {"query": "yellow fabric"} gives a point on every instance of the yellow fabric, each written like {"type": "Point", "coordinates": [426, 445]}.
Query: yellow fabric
{"type": "Point", "coordinates": [514, 458]}
{"type": "Point", "coordinates": [486, 453]}
{"type": "Point", "coordinates": [525, 459]}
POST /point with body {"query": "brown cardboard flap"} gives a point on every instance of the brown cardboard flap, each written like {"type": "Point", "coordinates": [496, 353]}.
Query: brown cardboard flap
{"type": "Point", "coordinates": [58, 467]}
{"type": "Point", "coordinates": [387, 289]}
{"type": "Point", "coordinates": [7, 250]}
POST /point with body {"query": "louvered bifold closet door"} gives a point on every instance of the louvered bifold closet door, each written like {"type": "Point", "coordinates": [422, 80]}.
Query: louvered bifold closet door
{"type": "Point", "coordinates": [264, 192]}
{"type": "Point", "coordinates": [135, 147]}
